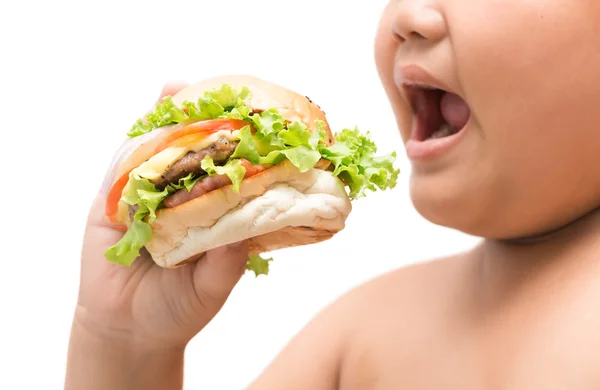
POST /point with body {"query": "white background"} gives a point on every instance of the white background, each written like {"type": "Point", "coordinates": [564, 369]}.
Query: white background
{"type": "Point", "coordinates": [74, 77]}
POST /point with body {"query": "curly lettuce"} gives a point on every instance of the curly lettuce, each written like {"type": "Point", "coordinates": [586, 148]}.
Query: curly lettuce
{"type": "Point", "coordinates": [128, 248]}
{"type": "Point", "coordinates": [233, 169]}
{"type": "Point", "coordinates": [146, 199]}
{"type": "Point", "coordinates": [354, 160]}
{"type": "Point", "coordinates": [353, 153]}
{"type": "Point", "coordinates": [269, 139]}
{"type": "Point", "coordinates": [258, 265]}
{"type": "Point", "coordinates": [222, 103]}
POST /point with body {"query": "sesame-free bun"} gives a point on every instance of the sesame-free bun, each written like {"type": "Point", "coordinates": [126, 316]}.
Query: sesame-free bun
{"type": "Point", "coordinates": [277, 208]}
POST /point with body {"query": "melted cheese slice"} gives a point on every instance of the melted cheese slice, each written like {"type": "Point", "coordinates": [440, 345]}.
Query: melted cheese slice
{"type": "Point", "coordinates": [159, 163]}
{"type": "Point", "coordinates": [154, 167]}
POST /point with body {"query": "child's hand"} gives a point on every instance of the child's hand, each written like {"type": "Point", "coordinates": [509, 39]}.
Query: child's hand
{"type": "Point", "coordinates": [146, 303]}
{"type": "Point", "coordinates": [146, 307]}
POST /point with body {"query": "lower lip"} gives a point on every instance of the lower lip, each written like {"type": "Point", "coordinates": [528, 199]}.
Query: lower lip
{"type": "Point", "coordinates": [431, 149]}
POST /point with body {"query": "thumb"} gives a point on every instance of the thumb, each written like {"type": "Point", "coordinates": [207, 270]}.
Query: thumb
{"type": "Point", "coordinates": [219, 271]}
{"type": "Point", "coordinates": [171, 88]}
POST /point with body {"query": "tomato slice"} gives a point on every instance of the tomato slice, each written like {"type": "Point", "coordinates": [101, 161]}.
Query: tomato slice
{"type": "Point", "coordinates": [114, 196]}
{"type": "Point", "coordinates": [200, 130]}
{"type": "Point", "coordinates": [186, 140]}
{"type": "Point", "coordinates": [251, 170]}
{"type": "Point", "coordinates": [122, 228]}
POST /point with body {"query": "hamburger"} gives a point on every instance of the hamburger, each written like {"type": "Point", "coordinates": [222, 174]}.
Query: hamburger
{"type": "Point", "coordinates": [236, 158]}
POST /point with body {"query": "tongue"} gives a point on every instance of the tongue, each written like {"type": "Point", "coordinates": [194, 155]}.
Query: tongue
{"type": "Point", "coordinates": [454, 110]}
{"type": "Point", "coordinates": [427, 107]}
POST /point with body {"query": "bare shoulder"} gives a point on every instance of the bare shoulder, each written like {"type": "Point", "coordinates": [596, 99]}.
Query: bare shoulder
{"type": "Point", "coordinates": [318, 356]}
{"type": "Point", "coordinates": [402, 320]}
{"type": "Point", "coordinates": [420, 326]}
{"type": "Point", "coordinates": [405, 284]}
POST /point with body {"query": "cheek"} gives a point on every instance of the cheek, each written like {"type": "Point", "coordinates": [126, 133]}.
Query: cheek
{"type": "Point", "coordinates": [530, 84]}
{"type": "Point", "coordinates": [531, 73]}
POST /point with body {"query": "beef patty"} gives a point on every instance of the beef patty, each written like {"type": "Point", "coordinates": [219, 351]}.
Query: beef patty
{"type": "Point", "coordinates": [219, 151]}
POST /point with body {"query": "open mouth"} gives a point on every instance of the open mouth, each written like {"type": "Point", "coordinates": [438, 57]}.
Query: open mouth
{"type": "Point", "coordinates": [438, 113]}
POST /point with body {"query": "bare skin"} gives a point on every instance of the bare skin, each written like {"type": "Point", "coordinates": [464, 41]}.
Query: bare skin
{"type": "Point", "coordinates": [503, 316]}
{"type": "Point", "coordinates": [516, 312]}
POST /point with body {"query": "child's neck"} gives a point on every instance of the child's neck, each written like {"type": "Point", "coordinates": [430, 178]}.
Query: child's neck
{"type": "Point", "coordinates": [565, 254]}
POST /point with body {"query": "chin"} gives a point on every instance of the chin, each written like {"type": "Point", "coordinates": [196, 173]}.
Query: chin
{"type": "Point", "coordinates": [483, 210]}
{"type": "Point", "coordinates": [455, 204]}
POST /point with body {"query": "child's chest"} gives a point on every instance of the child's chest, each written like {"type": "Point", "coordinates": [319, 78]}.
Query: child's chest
{"type": "Point", "coordinates": [520, 346]}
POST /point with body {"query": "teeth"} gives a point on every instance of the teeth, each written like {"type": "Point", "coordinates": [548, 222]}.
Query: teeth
{"type": "Point", "coordinates": [444, 131]}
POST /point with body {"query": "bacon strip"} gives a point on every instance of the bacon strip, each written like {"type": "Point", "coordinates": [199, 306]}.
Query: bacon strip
{"type": "Point", "coordinates": [209, 184]}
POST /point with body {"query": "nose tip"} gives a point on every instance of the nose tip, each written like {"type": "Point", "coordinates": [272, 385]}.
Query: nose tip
{"type": "Point", "coordinates": [413, 20]}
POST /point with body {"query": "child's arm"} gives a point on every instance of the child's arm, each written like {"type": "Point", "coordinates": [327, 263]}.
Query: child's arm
{"type": "Point", "coordinates": [97, 362]}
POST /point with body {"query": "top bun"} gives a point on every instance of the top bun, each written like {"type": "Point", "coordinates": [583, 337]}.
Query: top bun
{"type": "Point", "coordinates": [265, 95]}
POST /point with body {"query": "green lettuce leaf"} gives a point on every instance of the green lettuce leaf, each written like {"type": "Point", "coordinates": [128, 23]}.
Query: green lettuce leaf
{"type": "Point", "coordinates": [143, 193]}
{"type": "Point", "coordinates": [354, 161]}
{"type": "Point", "coordinates": [147, 199]}
{"type": "Point", "coordinates": [148, 202]}
{"type": "Point", "coordinates": [268, 124]}
{"type": "Point", "coordinates": [246, 147]}
{"type": "Point", "coordinates": [187, 182]}
{"type": "Point", "coordinates": [234, 169]}
{"type": "Point", "coordinates": [128, 248]}
{"type": "Point", "coordinates": [220, 103]}
{"type": "Point", "coordinates": [297, 134]}
{"type": "Point", "coordinates": [241, 112]}
{"type": "Point", "coordinates": [165, 113]}
{"type": "Point", "coordinates": [258, 265]}
{"type": "Point", "coordinates": [302, 157]}
{"type": "Point", "coordinates": [273, 142]}
{"type": "Point", "coordinates": [140, 194]}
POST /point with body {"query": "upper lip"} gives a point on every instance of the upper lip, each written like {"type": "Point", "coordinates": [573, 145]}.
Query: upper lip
{"type": "Point", "coordinates": [415, 76]}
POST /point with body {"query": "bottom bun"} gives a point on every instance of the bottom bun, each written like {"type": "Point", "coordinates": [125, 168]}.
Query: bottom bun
{"type": "Point", "coordinates": [278, 208]}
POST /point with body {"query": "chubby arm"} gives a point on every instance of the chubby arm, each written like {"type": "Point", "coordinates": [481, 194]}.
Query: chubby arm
{"type": "Point", "coordinates": [97, 361]}
{"type": "Point", "coordinates": [311, 360]}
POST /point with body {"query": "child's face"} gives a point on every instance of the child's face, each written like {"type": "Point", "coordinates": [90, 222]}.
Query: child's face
{"type": "Point", "coordinates": [528, 159]}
